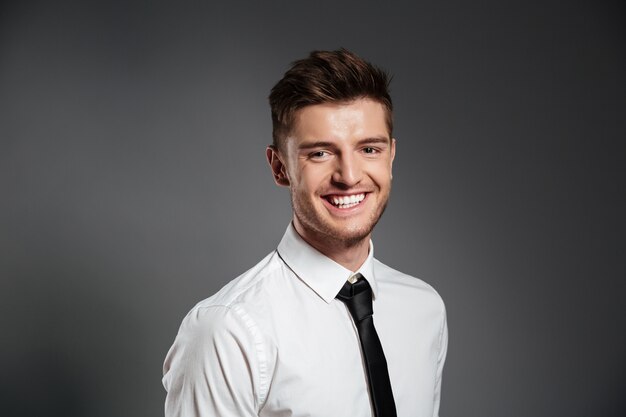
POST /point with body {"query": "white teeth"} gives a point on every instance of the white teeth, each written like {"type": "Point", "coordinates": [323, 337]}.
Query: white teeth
{"type": "Point", "coordinates": [347, 201]}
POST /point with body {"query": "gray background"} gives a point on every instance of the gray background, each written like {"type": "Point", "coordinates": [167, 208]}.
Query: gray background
{"type": "Point", "coordinates": [133, 184]}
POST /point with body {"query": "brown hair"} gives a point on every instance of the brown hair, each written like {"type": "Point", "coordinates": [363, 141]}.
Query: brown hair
{"type": "Point", "coordinates": [326, 77]}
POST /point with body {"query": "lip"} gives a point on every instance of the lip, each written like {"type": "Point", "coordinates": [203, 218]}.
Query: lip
{"type": "Point", "coordinates": [345, 211]}
{"type": "Point", "coordinates": [344, 193]}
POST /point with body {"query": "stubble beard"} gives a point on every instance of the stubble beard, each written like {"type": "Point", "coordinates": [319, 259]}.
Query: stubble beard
{"type": "Point", "coordinates": [332, 235]}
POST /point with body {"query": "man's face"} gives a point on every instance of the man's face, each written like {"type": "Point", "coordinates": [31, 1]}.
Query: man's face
{"type": "Point", "coordinates": [337, 163]}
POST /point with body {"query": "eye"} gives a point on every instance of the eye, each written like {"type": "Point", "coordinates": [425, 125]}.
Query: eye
{"type": "Point", "coordinates": [318, 154]}
{"type": "Point", "coordinates": [370, 150]}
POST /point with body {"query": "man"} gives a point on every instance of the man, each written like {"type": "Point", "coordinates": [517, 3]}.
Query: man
{"type": "Point", "coordinates": [295, 335]}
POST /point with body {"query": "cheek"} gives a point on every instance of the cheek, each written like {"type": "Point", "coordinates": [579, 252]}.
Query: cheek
{"type": "Point", "coordinates": [382, 174]}
{"type": "Point", "coordinates": [312, 179]}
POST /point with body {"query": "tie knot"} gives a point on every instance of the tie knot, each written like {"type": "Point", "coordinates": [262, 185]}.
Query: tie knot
{"type": "Point", "coordinates": [358, 299]}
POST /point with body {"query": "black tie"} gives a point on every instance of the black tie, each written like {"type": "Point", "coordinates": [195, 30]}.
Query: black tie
{"type": "Point", "coordinates": [358, 298]}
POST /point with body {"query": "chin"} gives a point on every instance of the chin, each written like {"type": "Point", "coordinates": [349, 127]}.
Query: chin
{"type": "Point", "coordinates": [346, 232]}
{"type": "Point", "coordinates": [350, 234]}
{"type": "Point", "coordinates": [353, 239]}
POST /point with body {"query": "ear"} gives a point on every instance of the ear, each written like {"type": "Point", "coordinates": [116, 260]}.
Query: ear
{"type": "Point", "coordinates": [393, 155]}
{"type": "Point", "coordinates": [279, 169]}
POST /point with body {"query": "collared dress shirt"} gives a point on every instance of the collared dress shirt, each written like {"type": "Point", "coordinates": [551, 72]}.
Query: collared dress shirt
{"type": "Point", "coordinates": [276, 342]}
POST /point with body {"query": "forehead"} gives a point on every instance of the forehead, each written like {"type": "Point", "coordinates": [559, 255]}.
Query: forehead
{"type": "Point", "coordinates": [354, 119]}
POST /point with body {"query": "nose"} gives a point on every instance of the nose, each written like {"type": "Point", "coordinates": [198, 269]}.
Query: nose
{"type": "Point", "coordinates": [348, 171]}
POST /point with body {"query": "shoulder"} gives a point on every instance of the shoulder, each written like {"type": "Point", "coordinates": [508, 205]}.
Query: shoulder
{"type": "Point", "coordinates": [245, 287]}
{"type": "Point", "coordinates": [224, 323]}
{"type": "Point", "coordinates": [220, 340]}
{"type": "Point", "coordinates": [237, 303]}
{"type": "Point", "coordinates": [408, 287]}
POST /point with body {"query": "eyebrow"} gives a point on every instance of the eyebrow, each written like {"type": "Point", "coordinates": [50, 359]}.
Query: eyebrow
{"type": "Point", "coordinates": [375, 140]}
{"type": "Point", "coordinates": [313, 145]}
{"type": "Point", "coordinates": [325, 144]}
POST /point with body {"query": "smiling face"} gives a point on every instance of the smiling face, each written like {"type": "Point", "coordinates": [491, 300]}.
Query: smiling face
{"type": "Point", "coordinates": [337, 164]}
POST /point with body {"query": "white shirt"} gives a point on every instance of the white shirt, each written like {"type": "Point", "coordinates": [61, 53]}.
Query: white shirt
{"type": "Point", "coordinates": [276, 342]}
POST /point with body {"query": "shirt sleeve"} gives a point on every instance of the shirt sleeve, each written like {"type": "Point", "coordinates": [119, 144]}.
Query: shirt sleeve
{"type": "Point", "coordinates": [443, 350]}
{"type": "Point", "coordinates": [212, 367]}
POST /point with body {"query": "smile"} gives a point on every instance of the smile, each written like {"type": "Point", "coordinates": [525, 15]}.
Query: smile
{"type": "Point", "coordinates": [345, 201]}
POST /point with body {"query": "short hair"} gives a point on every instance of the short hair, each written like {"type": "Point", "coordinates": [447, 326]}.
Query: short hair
{"type": "Point", "coordinates": [326, 77]}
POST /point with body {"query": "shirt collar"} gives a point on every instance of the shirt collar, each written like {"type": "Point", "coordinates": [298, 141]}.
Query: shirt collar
{"type": "Point", "coordinates": [316, 270]}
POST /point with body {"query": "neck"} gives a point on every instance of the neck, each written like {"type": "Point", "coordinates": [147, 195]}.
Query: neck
{"type": "Point", "coordinates": [350, 255]}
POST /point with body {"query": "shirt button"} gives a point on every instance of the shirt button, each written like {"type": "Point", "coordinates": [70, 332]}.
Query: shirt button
{"type": "Point", "coordinates": [353, 278]}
